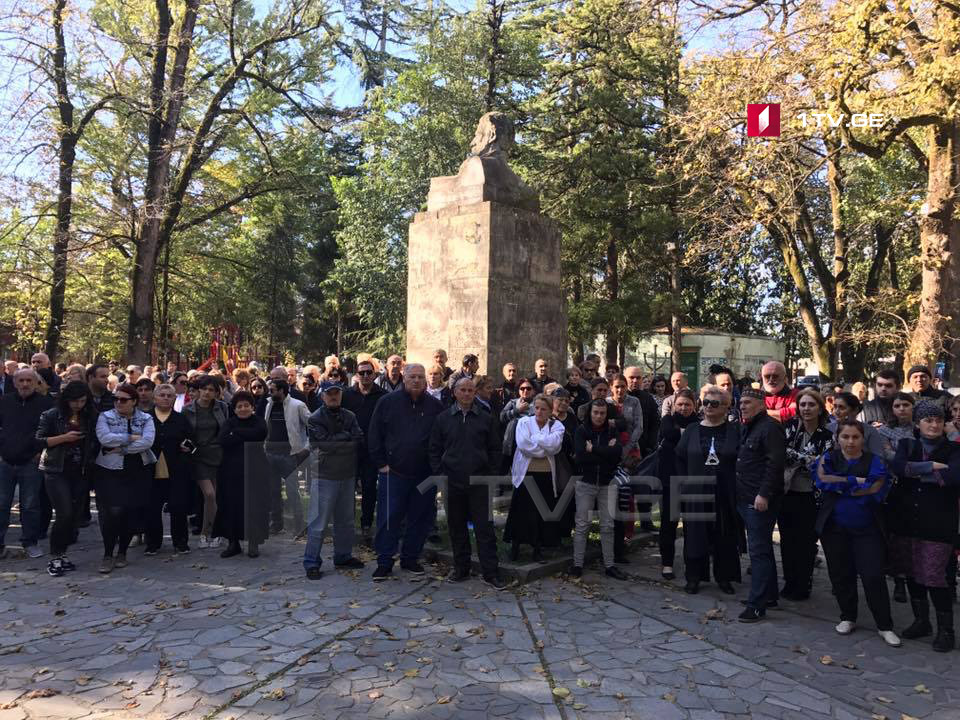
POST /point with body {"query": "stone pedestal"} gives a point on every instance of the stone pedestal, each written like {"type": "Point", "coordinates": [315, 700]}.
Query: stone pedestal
{"type": "Point", "coordinates": [484, 274]}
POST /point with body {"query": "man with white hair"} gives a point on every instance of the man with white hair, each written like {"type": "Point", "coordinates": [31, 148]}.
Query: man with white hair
{"type": "Point", "coordinates": [781, 398]}
{"type": "Point", "coordinates": [41, 361]}
{"type": "Point", "coordinates": [20, 457]}
{"type": "Point", "coordinates": [678, 381]}
{"type": "Point", "coordinates": [400, 432]}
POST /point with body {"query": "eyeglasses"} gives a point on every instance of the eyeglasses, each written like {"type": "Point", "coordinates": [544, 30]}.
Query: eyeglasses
{"type": "Point", "coordinates": [526, 388]}
{"type": "Point", "coordinates": [364, 372]}
{"type": "Point", "coordinates": [711, 403]}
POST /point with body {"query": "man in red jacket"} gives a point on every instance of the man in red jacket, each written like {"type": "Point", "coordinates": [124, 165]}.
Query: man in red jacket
{"type": "Point", "coordinates": [781, 399]}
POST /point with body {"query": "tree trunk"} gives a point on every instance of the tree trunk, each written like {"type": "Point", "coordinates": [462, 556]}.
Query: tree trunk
{"type": "Point", "coordinates": [164, 120]}
{"type": "Point", "coordinates": [939, 248]}
{"type": "Point", "coordinates": [612, 282]}
{"type": "Point", "coordinates": [676, 332]}
{"type": "Point", "coordinates": [495, 23]}
{"type": "Point", "coordinates": [840, 273]}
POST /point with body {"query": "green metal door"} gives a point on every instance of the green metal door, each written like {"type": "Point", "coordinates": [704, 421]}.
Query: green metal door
{"type": "Point", "coordinates": [690, 365]}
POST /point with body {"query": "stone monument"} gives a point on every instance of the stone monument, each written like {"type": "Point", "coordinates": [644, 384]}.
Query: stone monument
{"type": "Point", "coordinates": [484, 266]}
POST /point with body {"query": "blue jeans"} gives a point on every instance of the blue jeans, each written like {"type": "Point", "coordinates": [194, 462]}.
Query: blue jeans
{"type": "Point", "coordinates": [399, 501]}
{"type": "Point", "coordinates": [335, 501]}
{"type": "Point", "coordinates": [30, 480]}
{"type": "Point", "coordinates": [763, 566]}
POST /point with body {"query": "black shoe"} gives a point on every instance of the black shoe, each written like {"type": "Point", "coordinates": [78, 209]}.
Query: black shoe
{"type": "Point", "coordinates": [182, 549]}
{"type": "Point", "coordinates": [458, 575]}
{"type": "Point", "coordinates": [434, 539]}
{"type": "Point", "coordinates": [496, 582]}
{"type": "Point", "coordinates": [350, 564]}
{"type": "Point", "coordinates": [253, 550]}
{"type": "Point", "coordinates": [899, 590]}
{"type": "Point", "coordinates": [692, 587]}
{"type": "Point", "coordinates": [921, 626]}
{"type": "Point", "coordinates": [151, 551]}
{"type": "Point", "coordinates": [616, 573]}
{"type": "Point", "coordinates": [751, 615]}
{"type": "Point", "coordinates": [232, 549]}
{"type": "Point", "coordinates": [944, 641]}
{"type": "Point", "coordinates": [382, 573]}
{"type": "Point", "coordinates": [726, 588]}
{"type": "Point", "coordinates": [575, 571]}
{"type": "Point", "coordinates": [771, 605]}
{"type": "Point", "coordinates": [621, 560]}
{"type": "Point", "coordinates": [55, 568]}
{"type": "Point", "coordinates": [414, 568]}
{"type": "Point", "coordinates": [314, 573]}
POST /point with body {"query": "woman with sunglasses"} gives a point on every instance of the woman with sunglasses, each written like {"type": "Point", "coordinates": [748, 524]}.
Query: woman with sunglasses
{"type": "Point", "coordinates": [179, 382]}
{"type": "Point", "coordinates": [124, 463]}
{"type": "Point", "coordinates": [258, 388]}
{"type": "Point", "coordinates": [711, 529]}
{"type": "Point", "coordinates": [808, 438]}
{"type": "Point", "coordinates": [310, 390]}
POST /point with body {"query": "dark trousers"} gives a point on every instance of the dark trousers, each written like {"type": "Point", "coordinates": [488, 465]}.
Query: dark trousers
{"type": "Point", "coordinates": [858, 551]}
{"type": "Point", "coordinates": [763, 565]}
{"type": "Point", "coordinates": [798, 540]}
{"type": "Point", "coordinates": [368, 491]}
{"type": "Point", "coordinates": [667, 538]}
{"type": "Point", "coordinates": [153, 521]}
{"type": "Point", "coordinates": [471, 503]}
{"type": "Point", "coordinates": [722, 550]}
{"type": "Point", "coordinates": [402, 507]}
{"type": "Point", "coordinates": [115, 528]}
{"type": "Point", "coordinates": [65, 490]}
{"type": "Point", "coordinates": [941, 598]}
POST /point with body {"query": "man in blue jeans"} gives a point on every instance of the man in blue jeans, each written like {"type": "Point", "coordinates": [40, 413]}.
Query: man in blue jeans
{"type": "Point", "coordinates": [335, 436]}
{"type": "Point", "coordinates": [19, 459]}
{"type": "Point", "coordinates": [760, 463]}
{"type": "Point", "coordinates": [399, 437]}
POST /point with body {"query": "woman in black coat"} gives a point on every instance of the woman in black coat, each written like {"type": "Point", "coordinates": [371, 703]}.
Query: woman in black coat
{"type": "Point", "coordinates": [710, 529]}
{"type": "Point", "coordinates": [173, 478]}
{"type": "Point", "coordinates": [684, 414]}
{"type": "Point", "coordinates": [68, 433]}
{"type": "Point", "coordinates": [923, 521]}
{"type": "Point", "coordinates": [243, 497]}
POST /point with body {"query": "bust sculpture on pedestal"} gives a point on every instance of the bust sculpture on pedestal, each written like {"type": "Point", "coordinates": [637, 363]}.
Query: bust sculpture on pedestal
{"type": "Point", "coordinates": [484, 264]}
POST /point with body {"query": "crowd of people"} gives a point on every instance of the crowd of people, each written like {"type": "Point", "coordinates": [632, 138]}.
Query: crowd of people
{"type": "Point", "coordinates": [874, 482]}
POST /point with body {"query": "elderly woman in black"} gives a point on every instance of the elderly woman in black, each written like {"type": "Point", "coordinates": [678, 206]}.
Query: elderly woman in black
{"type": "Point", "coordinates": [68, 432]}
{"type": "Point", "coordinates": [923, 521]}
{"type": "Point", "coordinates": [172, 478]}
{"type": "Point", "coordinates": [710, 529]}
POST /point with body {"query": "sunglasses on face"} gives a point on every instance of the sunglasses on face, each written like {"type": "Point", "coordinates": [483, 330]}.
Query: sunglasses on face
{"type": "Point", "coordinates": [711, 403]}
{"type": "Point", "coordinates": [526, 388]}
{"type": "Point", "coordinates": [364, 372]}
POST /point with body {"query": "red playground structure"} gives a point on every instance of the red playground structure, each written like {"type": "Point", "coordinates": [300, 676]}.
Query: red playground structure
{"type": "Point", "coordinates": [224, 347]}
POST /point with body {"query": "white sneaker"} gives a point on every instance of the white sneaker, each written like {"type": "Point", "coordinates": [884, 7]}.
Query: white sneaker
{"type": "Point", "coordinates": [845, 627]}
{"type": "Point", "coordinates": [34, 551]}
{"type": "Point", "coordinates": [215, 542]}
{"type": "Point", "coordinates": [890, 638]}
{"type": "Point", "coordinates": [203, 543]}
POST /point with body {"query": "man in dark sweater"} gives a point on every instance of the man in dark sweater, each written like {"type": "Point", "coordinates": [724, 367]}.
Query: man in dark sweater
{"type": "Point", "coordinates": [879, 411]}
{"type": "Point", "coordinates": [919, 380]}
{"type": "Point", "coordinates": [399, 435]}
{"type": "Point", "coordinates": [760, 463]}
{"type": "Point", "coordinates": [19, 459]}
{"type": "Point", "coordinates": [465, 443]}
{"type": "Point", "coordinates": [361, 399]}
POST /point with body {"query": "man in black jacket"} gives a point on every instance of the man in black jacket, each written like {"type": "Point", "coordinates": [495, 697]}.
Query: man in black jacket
{"type": "Point", "coordinates": [465, 443]}
{"type": "Point", "coordinates": [920, 387]}
{"type": "Point", "coordinates": [361, 399]}
{"type": "Point", "coordinates": [879, 411]}
{"type": "Point", "coordinates": [399, 433]}
{"type": "Point", "coordinates": [651, 415]}
{"type": "Point", "coordinates": [760, 464]}
{"type": "Point", "coordinates": [20, 413]}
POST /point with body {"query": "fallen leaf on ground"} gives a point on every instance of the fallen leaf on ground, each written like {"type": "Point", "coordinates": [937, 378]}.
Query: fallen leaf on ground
{"type": "Point", "coordinates": [583, 683]}
{"type": "Point", "coordinates": [850, 665]}
{"type": "Point", "coordinates": [276, 694]}
{"type": "Point", "coordinates": [921, 688]}
{"type": "Point", "coordinates": [412, 673]}
{"type": "Point", "coordinates": [443, 700]}
{"type": "Point", "coordinates": [886, 700]}
{"type": "Point", "coordinates": [713, 614]}
{"type": "Point", "coordinates": [40, 693]}
{"type": "Point", "coordinates": [669, 697]}
{"type": "Point", "coordinates": [579, 706]}
{"type": "Point", "coordinates": [826, 660]}
{"type": "Point", "coordinates": [375, 695]}
{"type": "Point", "coordinates": [561, 692]}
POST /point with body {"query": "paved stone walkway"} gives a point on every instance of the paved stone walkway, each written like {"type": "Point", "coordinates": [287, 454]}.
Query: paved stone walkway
{"type": "Point", "coordinates": [201, 637]}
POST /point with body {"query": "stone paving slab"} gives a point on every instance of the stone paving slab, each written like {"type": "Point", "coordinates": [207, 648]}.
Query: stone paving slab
{"type": "Point", "coordinates": [200, 637]}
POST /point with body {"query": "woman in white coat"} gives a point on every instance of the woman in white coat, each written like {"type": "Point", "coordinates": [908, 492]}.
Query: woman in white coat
{"type": "Point", "coordinates": [534, 471]}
